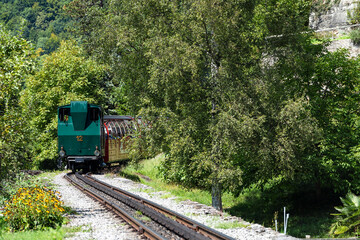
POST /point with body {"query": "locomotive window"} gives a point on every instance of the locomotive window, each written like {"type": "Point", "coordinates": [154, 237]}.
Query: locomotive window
{"type": "Point", "coordinates": [94, 114]}
{"type": "Point", "coordinates": [64, 114]}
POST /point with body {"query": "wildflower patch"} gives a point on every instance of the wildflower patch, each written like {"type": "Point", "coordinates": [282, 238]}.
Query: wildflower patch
{"type": "Point", "coordinates": [34, 208]}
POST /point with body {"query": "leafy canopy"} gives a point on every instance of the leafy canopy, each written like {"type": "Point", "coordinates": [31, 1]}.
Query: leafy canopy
{"type": "Point", "coordinates": [65, 75]}
{"type": "Point", "coordinates": [16, 63]}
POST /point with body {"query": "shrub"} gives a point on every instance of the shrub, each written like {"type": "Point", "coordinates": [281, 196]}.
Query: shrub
{"type": "Point", "coordinates": [354, 15]}
{"type": "Point", "coordinates": [2, 224]}
{"type": "Point", "coordinates": [35, 208]}
{"type": "Point", "coordinates": [10, 186]}
{"type": "Point", "coordinates": [355, 37]}
{"type": "Point", "coordinates": [348, 218]}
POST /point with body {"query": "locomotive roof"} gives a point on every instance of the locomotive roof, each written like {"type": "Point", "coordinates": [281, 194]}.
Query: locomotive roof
{"type": "Point", "coordinates": [84, 102]}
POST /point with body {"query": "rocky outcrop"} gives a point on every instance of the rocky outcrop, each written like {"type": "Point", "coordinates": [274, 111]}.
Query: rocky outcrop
{"type": "Point", "coordinates": [335, 17]}
{"type": "Point", "coordinates": [334, 22]}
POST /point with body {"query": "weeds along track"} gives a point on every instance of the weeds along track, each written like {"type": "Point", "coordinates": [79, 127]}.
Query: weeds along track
{"type": "Point", "coordinates": [154, 222]}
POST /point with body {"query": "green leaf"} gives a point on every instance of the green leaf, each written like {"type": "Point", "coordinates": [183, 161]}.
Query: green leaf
{"type": "Point", "coordinates": [341, 229]}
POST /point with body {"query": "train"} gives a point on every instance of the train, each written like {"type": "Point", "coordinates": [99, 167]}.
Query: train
{"type": "Point", "coordinates": [89, 140]}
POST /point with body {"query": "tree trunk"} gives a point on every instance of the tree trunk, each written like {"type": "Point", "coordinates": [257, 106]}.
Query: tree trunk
{"type": "Point", "coordinates": [216, 195]}
{"type": "Point", "coordinates": [214, 66]}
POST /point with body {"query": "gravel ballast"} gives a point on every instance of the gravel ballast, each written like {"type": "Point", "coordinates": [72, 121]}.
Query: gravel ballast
{"type": "Point", "coordinates": [98, 223]}
{"type": "Point", "coordinates": [92, 219]}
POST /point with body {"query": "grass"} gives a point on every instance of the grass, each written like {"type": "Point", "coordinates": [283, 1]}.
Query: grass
{"type": "Point", "coordinates": [149, 169]}
{"type": "Point", "coordinates": [51, 234]}
{"type": "Point", "coordinates": [215, 222]}
{"type": "Point", "coordinates": [229, 225]}
{"type": "Point", "coordinates": [316, 224]}
{"type": "Point", "coordinates": [23, 180]}
{"type": "Point", "coordinates": [253, 205]}
{"type": "Point", "coordinates": [34, 235]}
{"type": "Point", "coordinates": [142, 217]}
{"type": "Point", "coordinates": [322, 38]}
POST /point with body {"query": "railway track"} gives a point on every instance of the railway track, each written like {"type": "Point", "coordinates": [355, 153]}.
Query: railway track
{"type": "Point", "coordinates": [159, 223]}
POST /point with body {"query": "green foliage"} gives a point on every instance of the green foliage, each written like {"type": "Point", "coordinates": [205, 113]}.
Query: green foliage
{"type": "Point", "coordinates": [49, 234]}
{"type": "Point", "coordinates": [110, 40]}
{"type": "Point", "coordinates": [42, 22]}
{"type": "Point", "coordinates": [355, 36]}
{"type": "Point", "coordinates": [17, 62]}
{"type": "Point", "coordinates": [348, 218]}
{"type": "Point", "coordinates": [149, 172]}
{"type": "Point", "coordinates": [10, 186]}
{"type": "Point", "coordinates": [334, 99]}
{"type": "Point", "coordinates": [195, 69]}
{"type": "Point", "coordinates": [328, 83]}
{"type": "Point", "coordinates": [254, 204]}
{"type": "Point", "coordinates": [2, 225]}
{"type": "Point", "coordinates": [236, 93]}
{"type": "Point", "coordinates": [34, 208]}
{"type": "Point", "coordinates": [65, 75]}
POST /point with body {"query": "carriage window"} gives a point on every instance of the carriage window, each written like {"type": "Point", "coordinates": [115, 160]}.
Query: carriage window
{"type": "Point", "coordinates": [64, 114]}
{"type": "Point", "coordinates": [94, 114]}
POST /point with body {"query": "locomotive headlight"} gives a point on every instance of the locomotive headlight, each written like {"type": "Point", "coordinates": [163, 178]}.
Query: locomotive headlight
{"type": "Point", "coordinates": [97, 152]}
{"type": "Point", "coordinates": [62, 152]}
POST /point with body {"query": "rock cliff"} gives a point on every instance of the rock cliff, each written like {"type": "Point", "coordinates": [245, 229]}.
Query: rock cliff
{"type": "Point", "coordinates": [335, 17]}
{"type": "Point", "coordinates": [334, 22]}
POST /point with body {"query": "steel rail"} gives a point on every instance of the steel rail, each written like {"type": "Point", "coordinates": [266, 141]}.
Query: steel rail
{"type": "Point", "coordinates": [136, 224]}
{"type": "Point", "coordinates": [174, 226]}
{"type": "Point", "coordinates": [189, 223]}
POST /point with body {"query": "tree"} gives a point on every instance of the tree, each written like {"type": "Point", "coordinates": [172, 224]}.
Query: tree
{"type": "Point", "coordinates": [328, 84]}
{"type": "Point", "coordinates": [195, 69]}
{"type": "Point", "coordinates": [16, 64]}
{"type": "Point", "coordinates": [65, 75]}
{"type": "Point", "coordinates": [236, 92]}
{"type": "Point", "coordinates": [333, 93]}
{"type": "Point", "coordinates": [37, 21]}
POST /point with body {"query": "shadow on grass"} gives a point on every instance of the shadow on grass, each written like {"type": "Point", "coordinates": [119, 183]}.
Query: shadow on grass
{"type": "Point", "coordinates": [130, 176]}
{"type": "Point", "coordinates": [309, 215]}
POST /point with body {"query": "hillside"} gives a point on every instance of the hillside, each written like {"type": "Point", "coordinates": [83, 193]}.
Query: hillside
{"type": "Point", "coordinates": [43, 22]}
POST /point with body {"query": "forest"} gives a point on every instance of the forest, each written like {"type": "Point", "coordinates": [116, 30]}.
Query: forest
{"type": "Point", "coordinates": [241, 94]}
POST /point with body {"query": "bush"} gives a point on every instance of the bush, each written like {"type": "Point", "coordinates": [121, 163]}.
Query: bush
{"type": "Point", "coordinates": [10, 185]}
{"type": "Point", "coordinates": [35, 208]}
{"type": "Point", "coordinates": [355, 37]}
{"type": "Point", "coordinates": [2, 224]}
{"type": "Point", "coordinates": [348, 218]}
{"type": "Point", "coordinates": [354, 15]}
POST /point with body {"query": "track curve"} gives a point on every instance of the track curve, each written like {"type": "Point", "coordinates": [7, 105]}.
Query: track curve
{"type": "Point", "coordinates": [181, 226]}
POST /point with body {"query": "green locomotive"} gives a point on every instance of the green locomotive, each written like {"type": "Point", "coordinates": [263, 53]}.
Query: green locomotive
{"type": "Point", "coordinates": [80, 130]}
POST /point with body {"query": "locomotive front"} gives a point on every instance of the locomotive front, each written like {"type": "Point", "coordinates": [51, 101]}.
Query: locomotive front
{"type": "Point", "coordinates": [80, 140]}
